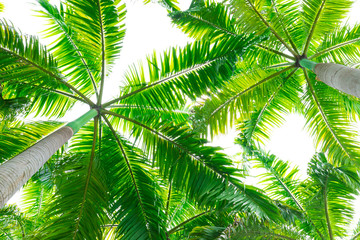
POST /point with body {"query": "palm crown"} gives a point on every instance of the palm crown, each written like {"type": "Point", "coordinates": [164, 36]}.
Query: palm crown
{"type": "Point", "coordinates": [101, 182]}
{"type": "Point", "coordinates": [271, 83]}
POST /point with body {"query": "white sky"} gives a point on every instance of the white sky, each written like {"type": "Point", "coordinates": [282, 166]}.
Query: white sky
{"type": "Point", "coordinates": [148, 28]}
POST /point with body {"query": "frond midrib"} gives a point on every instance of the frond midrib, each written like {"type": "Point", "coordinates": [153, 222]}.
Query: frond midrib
{"type": "Point", "coordinates": [313, 26]}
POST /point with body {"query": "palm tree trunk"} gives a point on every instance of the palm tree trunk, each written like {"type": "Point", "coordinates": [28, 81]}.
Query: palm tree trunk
{"type": "Point", "coordinates": [338, 76]}
{"type": "Point", "coordinates": [15, 172]}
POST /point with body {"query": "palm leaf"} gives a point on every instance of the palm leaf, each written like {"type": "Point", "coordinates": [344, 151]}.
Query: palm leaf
{"type": "Point", "coordinates": [197, 170]}
{"type": "Point", "coordinates": [329, 193]}
{"type": "Point", "coordinates": [238, 97]}
{"type": "Point", "coordinates": [80, 200]}
{"type": "Point", "coordinates": [194, 70]}
{"type": "Point", "coordinates": [273, 112]}
{"type": "Point", "coordinates": [328, 122]}
{"type": "Point", "coordinates": [25, 61]}
{"type": "Point", "coordinates": [321, 17]}
{"type": "Point", "coordinates": [135, 194]}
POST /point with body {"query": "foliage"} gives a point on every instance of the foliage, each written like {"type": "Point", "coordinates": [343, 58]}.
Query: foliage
{"type": "Point", "coordinates": [270, 83]}
{"type": "Point", "coordinates": [137, 170]}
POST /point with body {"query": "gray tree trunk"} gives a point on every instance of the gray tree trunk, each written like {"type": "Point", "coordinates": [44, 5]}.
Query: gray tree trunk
{"type": "Point", "coordinates": [340, 77]}
{"type": "Point", "coordinates": [16, 172]}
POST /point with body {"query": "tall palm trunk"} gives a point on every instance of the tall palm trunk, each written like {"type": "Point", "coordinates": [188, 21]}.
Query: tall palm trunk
{"type": "Point", "coordinates": [343, 78]}
{"type": "Point", "coordinates": [15, 172]}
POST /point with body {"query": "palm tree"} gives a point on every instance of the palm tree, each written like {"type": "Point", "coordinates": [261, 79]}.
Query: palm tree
{"type": "Point", "coordinates": [131, 150]}
{"type": "Point", "coordinates": [272, 81]}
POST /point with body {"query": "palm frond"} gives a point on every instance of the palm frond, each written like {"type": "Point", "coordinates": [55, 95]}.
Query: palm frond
{"type": "Point", "coordinates": [24, 60]}
{"type": "Point", "coordinates": [272, 113]}
{"type": "Point", "coordinates": [206, 19]}
{"type": "Point", "coordinates": [258, 12]}
{"type": "Point", "coordinates": [196, 169]}
{"type": "Point", "coordinates": [238, 97]}
{"type": "Point", "coordinates": [328, 122]}
{"type": "Point", "coordinates": [137, 205]}
{"type": "Point", "coordinates": [78, 208]}
{"type": "Point", "coordinates": [341, 46]}
{"type": "Point", "coordinates": [329, 195]}
{"type": "Point", "coordinates": [13, 223]}
{"type": "Point", "coordinates": [321, 17]}
{"type": "Point", "coordinates": [88, 35]}
{"type": "Point", "coordinates": [179, 74]}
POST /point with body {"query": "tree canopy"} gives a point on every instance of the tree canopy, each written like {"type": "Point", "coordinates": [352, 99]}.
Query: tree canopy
{"type": "Point", "coordinates": [142, 168]}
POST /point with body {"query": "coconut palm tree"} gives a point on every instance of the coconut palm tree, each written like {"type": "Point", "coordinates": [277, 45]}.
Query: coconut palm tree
{"type": "Point", "coordinates": [127, 153]}
{"type": "Point", "coordinates": [272, 81]}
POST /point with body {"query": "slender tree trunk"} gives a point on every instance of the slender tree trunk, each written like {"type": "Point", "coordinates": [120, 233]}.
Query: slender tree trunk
{"type": "Point", "coordinates": [15, 172]}
{"type": "Point", "coordinates": [340, 77]}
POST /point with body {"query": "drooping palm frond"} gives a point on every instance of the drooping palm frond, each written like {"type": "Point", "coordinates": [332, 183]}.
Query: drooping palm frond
{"type": "Point", "coordinates": [262, 14]}
{"type": "Point", "coordinates": [328, 122]}
{"type": "Point", "coordinates": [248, 227]}
{"type": "Point", "coordinates": [183, 216]}
{"type": "Point", "coordinates": [329, 194]}
{"type": "Point", "coordinates": [13, 223]}
{"type": "Point", "coordinates": [28, 66]}
{"type": "Point", "coordinates": [341, 46]}
{"type": "Point", "coordinates": [206, 19]}
{"type": "Point", "coordinates": [78, 208]}
{"type": "Point", "coordinates": [197, 170]}
{"type": "Point", "coordinates": [136, 205]}
{"type": "Point", "coordinates": [273, 112]}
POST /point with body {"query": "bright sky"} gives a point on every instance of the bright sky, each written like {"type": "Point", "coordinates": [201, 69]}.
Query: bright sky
{"type": "Point", "coordinates": [148, 28]}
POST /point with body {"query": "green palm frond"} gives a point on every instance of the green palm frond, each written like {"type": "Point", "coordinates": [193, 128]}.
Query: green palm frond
{"type": "Point", "coordinates": [328, 121]}
{"type": "Point", "coordinates": [249, 227]}
{"type": "Point", "coordinates": [13, 223]}
{"type": "Point", "coordinates": [26, 65]}
{"type": "Point", "coordinates": [280, 179]}
{"type": "Point", "coordinates": [182, 73]}
{"type": "Point", "coordinates": [91, 38]}
{"type": "Point", "coordinates": [78, 208]}
{"type": "Point", "coordinates": [329, 195]}
{"type": "Point", "coordinates": [142, 216]}
{"type": "Point", "coordinates": [206, 19]}
{"type": "Point", "coordinates": [341, 46]}
{"type": "Point", "coordinates": [207, 232]}
{"type": "Point", "coordinates": [272, 113]}
{"type": "Point", "coordinates": [258, 12]}
{"type": "Point", "coordinates": [321, 17]}
{"type": "Point", "coordinates": [238, 98]}
{"type": "Point", "coordinates": [183, 215]}
{"type": "Point", "coordinates": [197, 170]}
